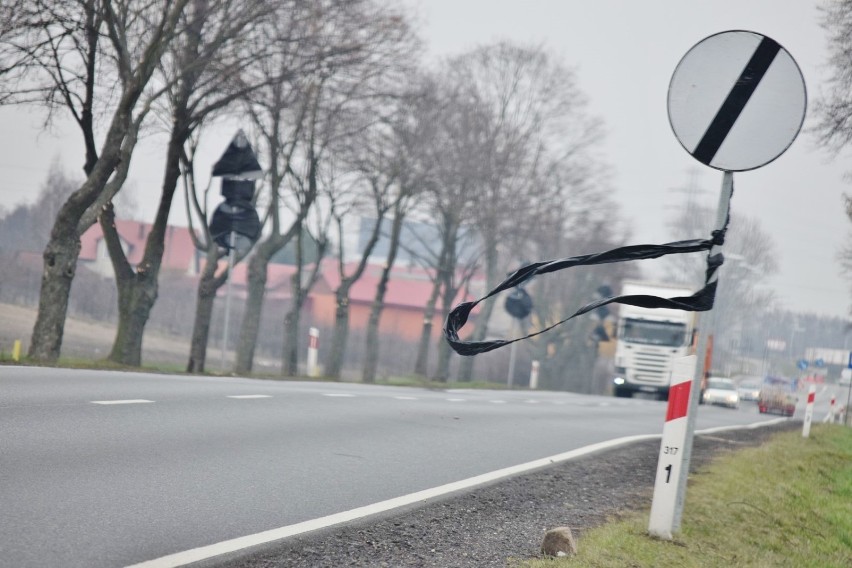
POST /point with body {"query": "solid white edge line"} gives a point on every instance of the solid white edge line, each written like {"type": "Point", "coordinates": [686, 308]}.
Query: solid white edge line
{"type": "Point", "coordinates": [128, 401]}
{"type": "Point", "coordinates": [227, 546]}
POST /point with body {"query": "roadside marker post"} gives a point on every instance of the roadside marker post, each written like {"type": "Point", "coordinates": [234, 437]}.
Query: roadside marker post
{"type": "Point", "coordinates": [16, 350]}
{"type": "Point", "coordinates": [313, 352]}
{"type": "Point", "coordinates": [809, 411]}
{"type": "Point", "coordinates": [830, 417]}
{"type": "Point", "coordinates": [534, 375]}
{"type": "Point", "coordinates": [672, 456]}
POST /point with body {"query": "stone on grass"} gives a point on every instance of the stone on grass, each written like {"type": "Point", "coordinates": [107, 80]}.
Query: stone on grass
{"type": "Point", "coordinates": [559, 542]}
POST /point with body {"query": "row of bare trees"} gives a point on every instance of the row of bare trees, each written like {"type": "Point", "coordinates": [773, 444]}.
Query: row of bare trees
{"type": "Point", "coordinates": [494, 149]}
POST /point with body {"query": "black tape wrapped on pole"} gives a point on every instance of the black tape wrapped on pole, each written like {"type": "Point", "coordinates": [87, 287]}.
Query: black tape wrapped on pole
{"type": "Point", "coordinates": [700, 301]}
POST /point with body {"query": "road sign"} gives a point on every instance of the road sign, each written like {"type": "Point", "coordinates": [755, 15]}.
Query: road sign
{"type": "Point", "coordinates": [850, 360]}
{"type": "Point", "coordinates": [819, 363]}
{"type": "Point", "coordinates": [802, 364]}
{"type": "Point", "coordinates": [736, 100]}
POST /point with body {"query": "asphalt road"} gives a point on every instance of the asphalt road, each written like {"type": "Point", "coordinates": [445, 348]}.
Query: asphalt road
{"type": "Point", "coordinates": [103, 469]}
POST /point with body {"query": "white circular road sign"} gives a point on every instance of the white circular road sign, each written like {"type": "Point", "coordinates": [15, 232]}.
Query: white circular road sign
{"type": "Point", "coordinates": [737, 100]}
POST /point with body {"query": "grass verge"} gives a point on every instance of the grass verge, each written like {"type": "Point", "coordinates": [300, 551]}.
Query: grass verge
{"type": "Point", "coordinates": [785, 503]}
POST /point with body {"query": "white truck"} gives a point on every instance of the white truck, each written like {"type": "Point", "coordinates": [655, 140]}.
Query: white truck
{"type": "Point", "coordinates": [649, 340]}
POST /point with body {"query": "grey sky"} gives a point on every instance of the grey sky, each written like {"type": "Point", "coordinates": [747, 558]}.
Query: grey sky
{"type": "Point", "coordinates": [624, 53]}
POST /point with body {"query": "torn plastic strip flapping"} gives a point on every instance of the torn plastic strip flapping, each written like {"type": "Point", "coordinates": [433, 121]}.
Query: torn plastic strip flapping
{"type": "Point", "coordinates": [700, 301]}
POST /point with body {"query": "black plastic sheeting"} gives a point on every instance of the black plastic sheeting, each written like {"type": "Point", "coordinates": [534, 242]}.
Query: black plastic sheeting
{"type": "Point", "coordinates": [700, 301]}
{"type": "Point", "coordinates": [238, 217]}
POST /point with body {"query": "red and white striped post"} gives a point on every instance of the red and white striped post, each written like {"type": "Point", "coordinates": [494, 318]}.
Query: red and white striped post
{"type": "Point", "coordinates": [831, 416]}
{"type": "Point", "coordinates": [534, 375]}
{"type": "Point", "coordinates": [672, 459]}
{"type": "Point", "coordinates": [313, 352]}
{"type": "Point", "coordinates": [809, 411]}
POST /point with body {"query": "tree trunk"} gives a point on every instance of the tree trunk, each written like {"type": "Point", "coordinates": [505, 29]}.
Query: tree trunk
{"type": "Point", "coordinates": [340, 336]}
{"type": "Point", "coordinates": [60, 262]}
{"type": "Point", "coordinates": [135, 299]}
{"type": "Point", "coordinates": [137, 291]}
{"type": "Point", "coordinates": [207, 288]}
{"type": "Point", "coordinates": [62, 251]}
{"type": "Point", "coordinates": [250, 327]}
{"type": "Point", "coordinates": [446, 280]}
{"type": "Point", "coordinates": [421, 364]}
{"type": "Point", "coordinates": [257, 275]}
{"type": "Point", "coordinates": [371, 355]}
{"type": "Point", "coordinates": [485, 310]}
{"type": "Point", "coordinates": [290, 362]}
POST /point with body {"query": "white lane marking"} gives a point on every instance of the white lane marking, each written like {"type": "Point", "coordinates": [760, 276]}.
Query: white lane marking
{"type": "Point", "coordinates": [498, 401]}
{"type": "Point", "coordinates": [243, 542]}
{"type": "Point", "coordinates": [405, 397]}
{"type": "Point", "coordinates": [339, 395]}
{"type": "Point", "coordinates": [532, 401]}
{"type": "Point", "coordinates": [249, 396]}
{"type": "Point", "coordinates": [128, 401]}
{"type": "Point", "coordinates": [456, 400]}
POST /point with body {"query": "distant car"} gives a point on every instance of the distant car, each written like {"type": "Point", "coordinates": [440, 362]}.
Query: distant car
{"type": "Point", "coordinates": [722, 392]}
{"type": "Point", "coordinates": [844, 381]}
{"type": "Point", "coordinates": [778, 395]}
{"type": "Point", "coordinates": [749, 389]}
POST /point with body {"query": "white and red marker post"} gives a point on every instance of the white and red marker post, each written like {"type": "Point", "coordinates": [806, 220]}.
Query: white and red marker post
{"type": "Point", "coordinates": [809, 411]}
{"type": "Point", "coordinates": [675, 433]}
{"type": "Point", "coordinates": [313, 352]}
{"type": "Point", "coordinates": [534, 375]}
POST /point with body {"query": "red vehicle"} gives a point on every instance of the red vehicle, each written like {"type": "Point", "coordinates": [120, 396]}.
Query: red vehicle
{"type": "Point", "coordinates": [778, 395]}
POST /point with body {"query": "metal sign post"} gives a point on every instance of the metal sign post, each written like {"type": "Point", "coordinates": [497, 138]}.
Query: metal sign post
{"type": "Point", "coordinates": [226, 323]}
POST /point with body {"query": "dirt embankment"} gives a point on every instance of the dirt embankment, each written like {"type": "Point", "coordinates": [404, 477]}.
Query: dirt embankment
{"type": "Point", "coordinates": [86, 339]}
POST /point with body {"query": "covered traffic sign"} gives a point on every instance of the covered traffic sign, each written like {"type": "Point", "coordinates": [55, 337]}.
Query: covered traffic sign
{"type": "Point", "coordinates": [737, 100]}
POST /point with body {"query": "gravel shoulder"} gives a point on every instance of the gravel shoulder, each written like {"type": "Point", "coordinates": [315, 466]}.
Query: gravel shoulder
{"type": "Point", "coordinates": [500, 523]}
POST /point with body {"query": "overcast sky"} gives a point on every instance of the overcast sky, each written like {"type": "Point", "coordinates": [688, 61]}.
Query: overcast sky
{"type": "Point", "coordinates": [624, 53]}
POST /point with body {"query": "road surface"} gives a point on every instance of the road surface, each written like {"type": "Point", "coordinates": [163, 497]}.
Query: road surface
{"type": "Point", "coordinates": [104, 469]}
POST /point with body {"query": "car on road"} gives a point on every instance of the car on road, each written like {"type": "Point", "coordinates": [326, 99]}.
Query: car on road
{"type": "Point", "coordinates": [722, 392]}
{"type": "Point", "coordinates": [778, 395]}
{"type": "Point", "coordinates": [749, 388]}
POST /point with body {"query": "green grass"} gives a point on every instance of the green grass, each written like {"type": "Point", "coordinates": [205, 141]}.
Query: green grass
{"type": "Point", "coordinates": [786, 503]}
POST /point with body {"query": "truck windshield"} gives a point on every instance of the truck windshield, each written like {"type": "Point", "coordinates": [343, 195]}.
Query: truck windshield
{"type": "Point", "coordinates": [648, 332]}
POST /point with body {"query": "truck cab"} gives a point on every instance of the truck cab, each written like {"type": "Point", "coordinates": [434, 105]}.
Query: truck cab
{"type": "Point", "coordinates": [649, 340]}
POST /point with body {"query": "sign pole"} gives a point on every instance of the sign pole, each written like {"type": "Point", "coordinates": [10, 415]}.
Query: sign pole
{"type": "Point", "coordinates": [228, 298]}
{"type": "Point", "coordinates": [695, 393]}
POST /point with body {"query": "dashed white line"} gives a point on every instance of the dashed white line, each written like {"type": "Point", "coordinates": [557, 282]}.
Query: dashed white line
{"type": "Point", "coordinates": [128, 401]}
{"type": "Point", "coordinates": [497, 401]}
{"type": "Point", "coordinates": [456, 400]}
{"type": "Point", "coordinates": [249, 396]}
{"type": "Point", "coordinates": [405, 397]}
{"type": "Point", "coordinates": [532, 401]}
{"type": "Point", "coordinates": [339, 395]}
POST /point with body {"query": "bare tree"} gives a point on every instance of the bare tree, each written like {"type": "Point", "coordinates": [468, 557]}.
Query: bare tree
{"type": "Point", "coordinates": [349, 48]}
{"type": "Point", "coordinates": [204, 71]}
{"type": "Point", "coordinates": [532, 112]}
{"type": "Point", "coordinates": [834, 107]}
{"type": "Point", "coordinates": [63, 55]}
{"type": "Point", "coordinates": [213, 274]}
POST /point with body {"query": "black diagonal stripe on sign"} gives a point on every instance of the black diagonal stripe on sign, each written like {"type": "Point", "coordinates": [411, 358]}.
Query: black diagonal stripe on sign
{"type": "Point", "coordinates": [730, 110]}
